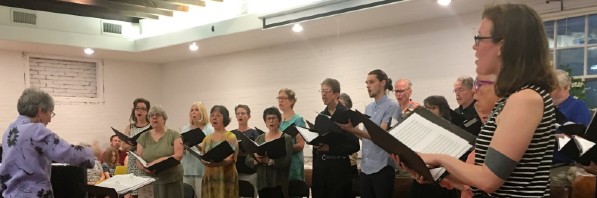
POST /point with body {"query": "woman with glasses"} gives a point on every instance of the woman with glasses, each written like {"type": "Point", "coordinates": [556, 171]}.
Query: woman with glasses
{"type": "Point", "coordinates": [514, 150]}
{"type": "Point", "coordinates": [159, 144]}
{"type": "Point", "coordinates": [192, 167]}
{"type": "Point", "coordinates": [272, 174]}
{"type": "Point", "coordinates": [138, 122]}
{"type": "Point", "coordinates": [29, 148]}
{"type": "Point", "coordinates": [245, 173]}
{"type": "Point", "coordinates": [286, 101]}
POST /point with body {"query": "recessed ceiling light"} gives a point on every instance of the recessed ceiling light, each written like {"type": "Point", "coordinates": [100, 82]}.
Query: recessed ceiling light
{"type": "Point", "coordinates": [297, 28]}
{"type": "Point", "coordinates": [193, 47]}
{"type": "Point", "coordinates": [444, 2]}
{"type": "Point", "coordinates": [88, 51]}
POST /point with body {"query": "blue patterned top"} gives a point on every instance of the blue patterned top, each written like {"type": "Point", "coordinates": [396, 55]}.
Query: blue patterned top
{"type": "Point", "coordinates": [28, 151]}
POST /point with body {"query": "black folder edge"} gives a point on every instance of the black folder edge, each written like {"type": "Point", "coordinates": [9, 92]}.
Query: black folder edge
{"type": "Point", "coordinates": [314, 141]}
{"type": "Point", "coordinates": [129, 140]}
{"type": "Point", "coordinates": [291, 130]}
{"type": "Point", "coordinates": [445, 124]}
{"type": "Point", "coordinates": [390, 144]}
{"type": "Point", "coordinates": [250, 147]}
{"type": "Point", "coordinates": [163, 165]}
{"type": "Point", "coordinates": [222, 147]}
{"type": "Point", "coordinates": [591, 133]}
{"type": "Point", "coordinates": [189, 134]}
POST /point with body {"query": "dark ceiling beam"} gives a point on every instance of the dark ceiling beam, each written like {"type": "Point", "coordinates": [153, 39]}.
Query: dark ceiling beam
{"type": "Point", "coordinates": [185, 2]}
{"type": "Point", "coordinates": [78, 10]}
{"type": "Point", "coordinates": [155, 4]}
{"type": "Point", "coordinates": [120, 6]}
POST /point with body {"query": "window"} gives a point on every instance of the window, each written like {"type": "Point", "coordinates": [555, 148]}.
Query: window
{"type": "Point", "coordinates": [573, 45]}
{"type": "Point", "coordinates": [66, 79]}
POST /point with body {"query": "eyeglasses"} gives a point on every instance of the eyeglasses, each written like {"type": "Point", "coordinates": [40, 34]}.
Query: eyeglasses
{"type": "Point", "coordinates": [459, 90]}
{"type": "Point", "coordinates": [479, 38]}
{"type": "Point", "coordinates": [478, 83]}
{"type": "Point", "coordinates": [140, 108]}
{"type": "Point", "coordinates": [274, 118]}
{"type": "Point", "coordinates": [157, 115]}
{"type": "Point", "coordinates": [325, 91]}
{"type": "Point", "coordinates": [53, 114]}
{"type": "Point", "coordinates": [398, 91]}
{"type": "Point", "coordinates": [281, 98]}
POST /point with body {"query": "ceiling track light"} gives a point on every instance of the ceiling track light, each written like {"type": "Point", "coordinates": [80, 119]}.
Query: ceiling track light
{"type": "Point", "coordinates": [89, 51]}
{"type": "Point", "coordinates": [193, 47]}
{"type": "Point", "coordinates": [297, 27]}
{"type": "Point", "coordinates": [444, 2]}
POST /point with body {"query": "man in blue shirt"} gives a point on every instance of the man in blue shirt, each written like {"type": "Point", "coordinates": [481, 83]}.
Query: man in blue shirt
{"type": "Point", "coordinates": [377, 171]}
{"type": "Point", "coordinates": [563, 170]}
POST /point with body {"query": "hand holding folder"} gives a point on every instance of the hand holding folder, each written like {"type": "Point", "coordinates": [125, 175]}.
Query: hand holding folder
{"type": "Point", "coordinates": [156, 167]}
{"type": "Point", "coordinates": [193, 137]}
{"type": "Point", "coordinates": [423, 132]}
{"type": "Point", "coordinates": [216, 154]}
{"type": "Point", "coordinates": [273, 149]}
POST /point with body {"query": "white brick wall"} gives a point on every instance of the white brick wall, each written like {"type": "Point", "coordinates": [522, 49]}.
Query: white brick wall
{"type": "Point", "coordinates": [78, 121]}
{"type": "Point", "coordinates": [62, 77]}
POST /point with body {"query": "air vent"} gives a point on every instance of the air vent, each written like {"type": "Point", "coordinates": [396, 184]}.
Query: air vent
{"type": "Point", "coordinates": [24, 17]}
{"type": "Point", "coordinates": [112, 28]}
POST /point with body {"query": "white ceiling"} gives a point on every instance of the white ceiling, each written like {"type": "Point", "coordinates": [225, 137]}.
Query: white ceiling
{"type": "Point", "coordinates": [373, 18]}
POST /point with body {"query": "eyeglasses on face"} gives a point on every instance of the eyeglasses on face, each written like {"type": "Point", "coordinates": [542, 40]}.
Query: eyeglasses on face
{"type": "Point", "coordinates": [478, 83]}
{"type": "Point", "coordinates": [282, 98]}
{"type": "Point", "coordinates": [325, 91]}
{"type": "Point", "coordinates": [479, 38]}
{"type": "Point", "coordinates": [273, 118]}
{"type": "Point", "coordinates": [140, 108]}
{"type": "Point", "coordinates": [400, 91]}
{"type": "Point", "coordinates": [157, 115]}
{"type": "Point", "coordinates": [53, 114]}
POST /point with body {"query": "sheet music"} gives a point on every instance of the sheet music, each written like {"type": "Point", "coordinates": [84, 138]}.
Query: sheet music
{"type": "Point", "coordinates": [143, 162]}
{"type": "Point", "coordinates": [308, 135]}
{"type": "Point", "coordinates": [125, 183]}
{"type": "Point", "coordinates": [584, 144]}
{"type": "Point", "coordinates": [562, 141]}
{"type": "Point", "coordinates": [421, 135]}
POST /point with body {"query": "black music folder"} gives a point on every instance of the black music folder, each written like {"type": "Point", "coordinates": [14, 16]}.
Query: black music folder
{"type": "Point", "coordinates": [310, 136]}
{"type": "Point", "coordinates": [424, 132]}
{"type": "Point", "coordinates": [216, 154]}
{"type": "Point", "coordinates": [158, 167]}
{"type": "Point", "coordinates": [274, 149]}
{"type": "Point", "coordinates": [129, 140]}
{"type": "Point", "coordinates": [193, 137]}
{"type": "Point", "coordinates": [578, 149]}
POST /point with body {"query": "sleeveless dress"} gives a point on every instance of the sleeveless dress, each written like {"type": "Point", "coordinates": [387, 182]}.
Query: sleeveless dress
{"type": "Point", "coordinates": [530, 178]}
{"type": "Point", "coordinates": [132, 168]}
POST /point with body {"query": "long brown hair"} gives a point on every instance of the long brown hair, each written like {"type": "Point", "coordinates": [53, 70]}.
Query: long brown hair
{"type": "Point", "coordinates": [524, 52]}
{"type": "Point", "coordinates": [108, 157]}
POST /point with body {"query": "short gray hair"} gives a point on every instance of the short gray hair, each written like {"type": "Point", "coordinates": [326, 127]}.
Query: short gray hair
{"type": "Point", "coordinates": [563, 78]}
{"type": "Point", "coordinates": [157, 109]}
{"type": "Point", "coordinates": [466, 81]}
{"type": "Point", "coordinates": [407, 81]}
{"type": "Point", "coordinates": [33, 99]}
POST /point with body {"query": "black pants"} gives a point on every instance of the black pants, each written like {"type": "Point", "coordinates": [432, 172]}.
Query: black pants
{"type": "Point", "coordinates": [332, 179]}
{"type": "Point", "coordinates": [275, 192]}
{"type": "Point", "coordinates": [378, 185]}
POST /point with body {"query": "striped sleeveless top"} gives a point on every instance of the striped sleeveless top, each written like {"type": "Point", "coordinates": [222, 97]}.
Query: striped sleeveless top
{"type": "Point", "coordinates": [530, 178]}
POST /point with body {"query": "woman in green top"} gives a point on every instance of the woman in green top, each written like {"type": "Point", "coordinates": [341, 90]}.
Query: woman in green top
{"type": "Point", "coordinates": [272, 175]}
{"type": "Point", "coordinates": [158, 144]}
{"type": "Point", "coordinates": [286, 100]}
